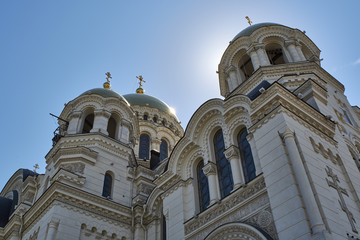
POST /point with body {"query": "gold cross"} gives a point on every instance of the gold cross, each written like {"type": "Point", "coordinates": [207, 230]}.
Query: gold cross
{"type": "Point", "coordinates": [141, 80]}
{"type": "Point", "coordinates": [249, 21]}
{"type": "Point", "coordinates": [108, 76]}
{"type": "Point", "coordinates": [36, 166]}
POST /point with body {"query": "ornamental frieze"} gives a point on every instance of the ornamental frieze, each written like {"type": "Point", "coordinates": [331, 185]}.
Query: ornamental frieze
{"type": "Point", "coordinates": [233, 201]}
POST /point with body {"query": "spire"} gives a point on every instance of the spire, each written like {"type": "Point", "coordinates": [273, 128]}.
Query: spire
{"type": "Point", "coordinates": [107, 84]}
{"type": "Point", "coordinates": [140, 90]}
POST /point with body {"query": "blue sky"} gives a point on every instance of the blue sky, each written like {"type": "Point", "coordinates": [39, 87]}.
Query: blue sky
{"type": "Point", "coordinates": [52, 51]}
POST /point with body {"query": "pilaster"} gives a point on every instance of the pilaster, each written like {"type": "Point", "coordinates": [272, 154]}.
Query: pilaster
{"type": "Point", "coordinates": [316, 222]}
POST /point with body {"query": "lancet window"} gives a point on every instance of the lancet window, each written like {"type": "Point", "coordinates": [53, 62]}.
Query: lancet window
{"type": "Point", "coordinates": [88, 123]}
{"type": "Point", "coordinates": [144, 146]}
{"type": "Point", "coordinates": [107, 188]}
{"type": "Point", "coordinates": [246, 156]}
{"type": "Point", "coordinates": [223, 166]}
{"type": "Point", "coordinates": [163, 150]}
{"type": "Point", "coordinates": [111, 128]}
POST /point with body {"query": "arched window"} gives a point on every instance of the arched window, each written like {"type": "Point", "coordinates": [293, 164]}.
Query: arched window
{"type": "Point", "coordinates": [223, 166]}
{"type": "Point", "coordinates": [246, 67]}
{"type": "Point", "coordinates": [111, 128]}
{"type": "Point", "coordinates": [88, 123]}
{"type": "Point", "coordinates": [246, 156]}
{"type": "Point", "coordinates": [107, 185]}
{"type": "Point", "coordinates": [155, 119]}
{"type": "Point", "coordinates": [145, 117]}
{"type": "Point", "coordinates": [203, 187]}
{"type": "Point", "coordinates": [163, 150]}
{"type": "Point", "coordinates": [144, 146]}
{"type": "Point", "coordinates": [275, 53]}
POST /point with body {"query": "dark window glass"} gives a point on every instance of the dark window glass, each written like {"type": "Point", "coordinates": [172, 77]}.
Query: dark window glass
{"type": "Point", "coordinates": [145, 117]}
{"type": "Point", "coordinates": [163, 228]}
{"type": "Point", "coordinates": [144, 146]}
{"type": "Point", "coordinates": [88, 123]}
{"type": "Point", "coordinates": [107, 185]}
{"type": "Point", "coordinates": [154, 119]}
{"type": "Point", "coordinates": [246, 156]}
{"type": "Point", "coordinates": [163, 150]}
{"type": "Point", "coordinates": [203, 185]}
{"type": "Point", "coordinates": [223, 165]}
{"type": "Point", "coordinates": [111, 128]}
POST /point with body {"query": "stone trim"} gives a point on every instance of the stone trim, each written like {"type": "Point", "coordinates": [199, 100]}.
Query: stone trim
{"type": "Point", "coordinates": [237, 199]}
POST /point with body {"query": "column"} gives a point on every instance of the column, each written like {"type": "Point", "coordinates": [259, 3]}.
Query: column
{"type": "Point", "coordinates": [291, 46]}
{"type": "Point", "coordinates": [74, 122]}
{"type": "Point", "coordinates": [101, 121]}
{"type": "Point", "coordinates": [300, 52]}
{"type": "Point", "coordinates": [264, 60]}
{"type": "Point", "coordinates": [52, 229]}
{"type": "Point", "coordinates": [232, 80]}
{"type": "Point", "coordinates": [210, 172]}
{"type": "Point", "coordinates": [254, 57]}
{"type": "Point", "coordinates": [316, 223]}
{"type": "Point", "coordinates": [232, 154]}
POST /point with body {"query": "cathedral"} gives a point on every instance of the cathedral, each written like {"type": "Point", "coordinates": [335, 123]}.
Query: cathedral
{"type": "Point", "coordinates": [276, 158]}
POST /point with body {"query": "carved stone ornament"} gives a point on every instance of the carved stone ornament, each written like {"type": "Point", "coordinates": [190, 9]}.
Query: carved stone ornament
{"type": "Point", "coordinates": [232, 152]}
{"type": "Point", "coordinates": [236, 231]}
{"type": "Point", "coordinates": [264, 219]}
{"type": "Point", "coordinates": [74, 167]}
{"type": "Point", "coordinates": [340, 191]}
{"type": "Point", "coordinates": [327, 154]}
{"type": "Point", "coordinates": [209, 169]}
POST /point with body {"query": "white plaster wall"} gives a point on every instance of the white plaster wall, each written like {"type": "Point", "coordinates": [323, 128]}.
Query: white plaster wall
{"type": "Point", "coordinates": [173, 205]}
{"type": "Point", "coordinates": [286, 204]}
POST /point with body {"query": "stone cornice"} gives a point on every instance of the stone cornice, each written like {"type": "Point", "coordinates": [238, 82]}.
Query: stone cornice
{"type": "Point", "coordinates": [277, 95]}
{"type": "Point", "coordinates": [279, 71]}
{"type": "Point", "coordinates": [78, 153]}
{"type": "Point", "coordinates": [68, 177]}
{"type": "Point", "coordinates": [87, 202]}
{"type": "Point", "coordinates": [91, 140]}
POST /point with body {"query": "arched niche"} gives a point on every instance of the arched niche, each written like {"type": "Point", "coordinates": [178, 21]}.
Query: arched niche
{"type": "Point", "coordinates": [275, 50]}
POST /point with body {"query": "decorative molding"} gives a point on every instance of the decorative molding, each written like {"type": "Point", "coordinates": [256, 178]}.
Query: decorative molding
{"type": "Point", "coordinates": [209, 169]}
{"type": "Point", "coordinates": [232, 152]}
{"type": "Point", "coordinates": [246, 198]}
{"type": "Point", "coordinates": [334, 184]}
{"type": "Point", "coordinates": [327, 154]}
{"type": "Point", "coordinates": [76, 167]}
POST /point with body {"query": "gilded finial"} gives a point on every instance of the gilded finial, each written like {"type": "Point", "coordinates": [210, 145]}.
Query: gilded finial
{"type": "Point", "coordinates": [107, 84]}
{"type": "Point", "coordinates": [36, 166]}
{"type": "Point", "coordinates": [249, 21]}
{"type": "Point", "coordinates": [141, 80]}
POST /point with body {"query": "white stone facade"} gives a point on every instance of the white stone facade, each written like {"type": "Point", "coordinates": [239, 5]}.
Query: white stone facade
{"type": "Point", "coordinates": [288, 136]}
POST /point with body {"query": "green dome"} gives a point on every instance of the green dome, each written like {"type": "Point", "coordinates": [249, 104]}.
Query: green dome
{"type": "Point", "coordinates": [104, 93]}
{"type": "Point", "coordinates": [249, 30]}
{"type": "Point", "coordinates": [136, 99]}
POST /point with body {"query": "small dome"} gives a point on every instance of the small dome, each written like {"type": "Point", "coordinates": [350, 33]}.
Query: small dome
{"type": "Point", "coordinates": [249, 30]}
{"type": "Point", "coordinates": [148, 101]}
{"type": "Point", "coordinates": [104, 93]}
